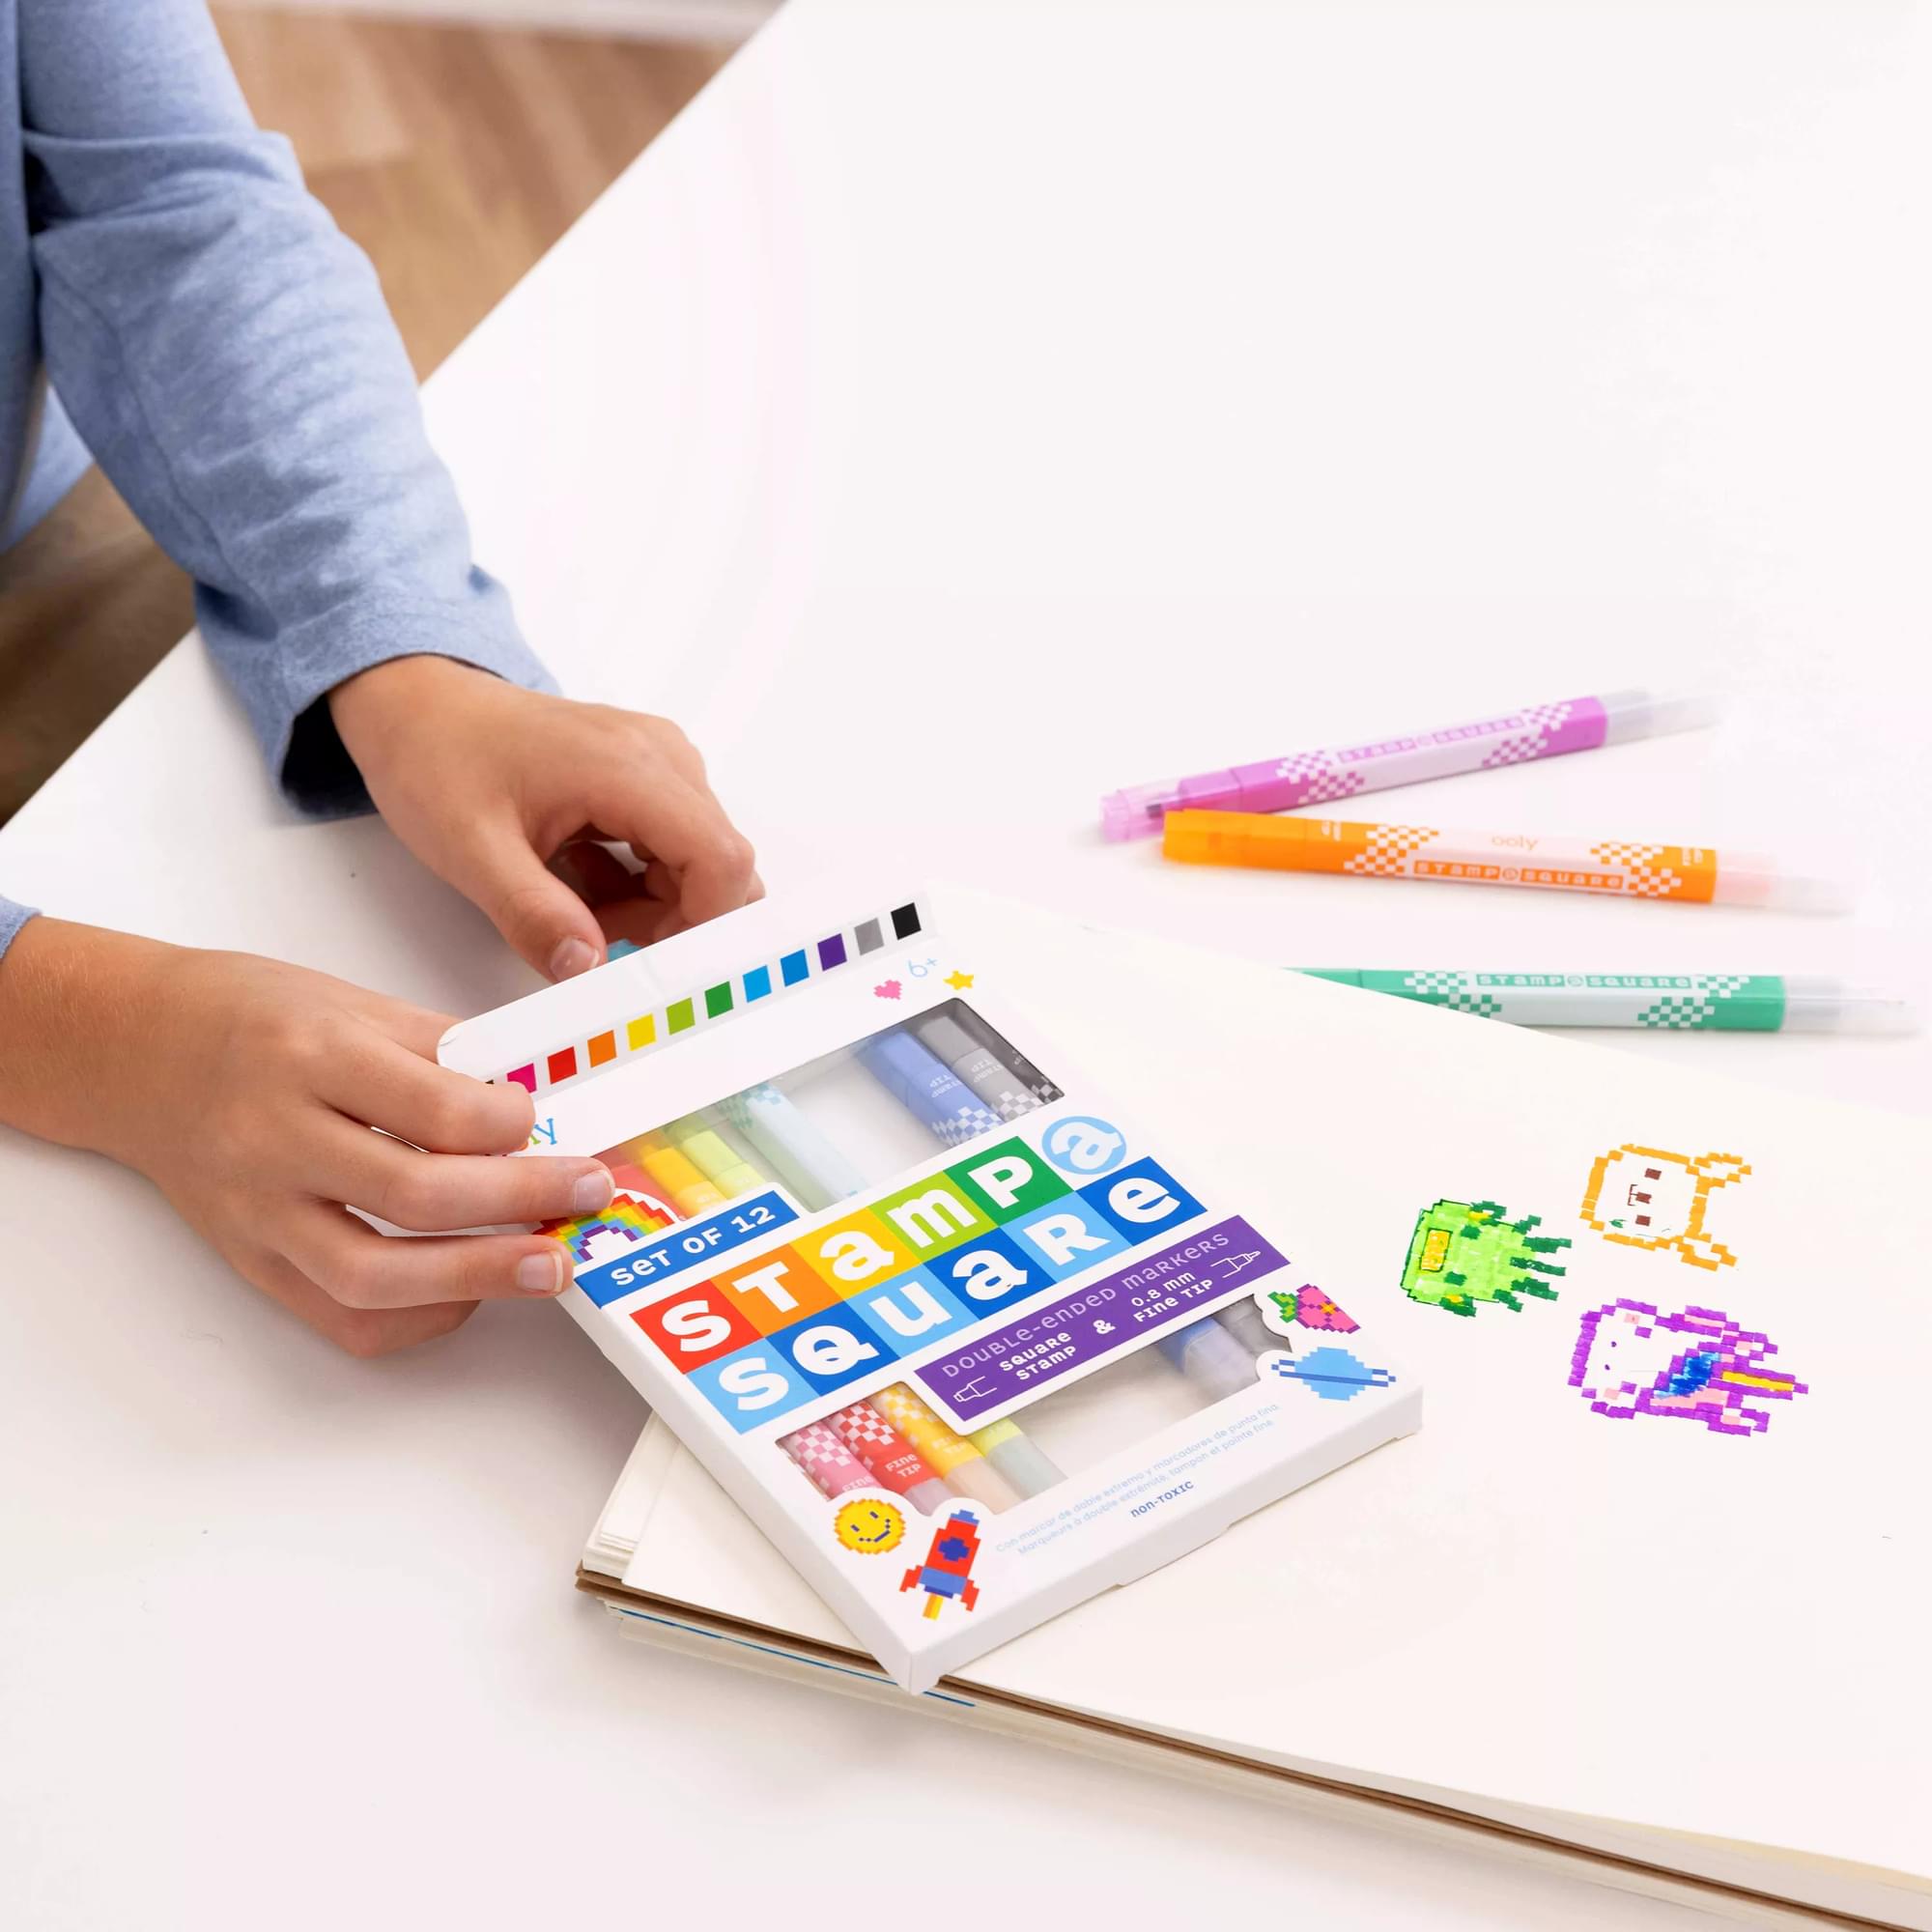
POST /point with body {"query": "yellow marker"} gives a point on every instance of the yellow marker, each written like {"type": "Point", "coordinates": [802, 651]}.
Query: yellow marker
{"type": "Point", "coordinates": [713, 1156]}
{"type": "Point", "coordinates": [1614, 867]}
{"type": "Point", "coordinates": [688, 1190]}
{"type": "Point", "coordinates": [967, 1472]}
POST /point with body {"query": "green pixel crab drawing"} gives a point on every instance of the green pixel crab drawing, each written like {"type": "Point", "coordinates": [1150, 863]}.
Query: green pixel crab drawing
{"type": "Point", "coordinates": [1466, 1252]}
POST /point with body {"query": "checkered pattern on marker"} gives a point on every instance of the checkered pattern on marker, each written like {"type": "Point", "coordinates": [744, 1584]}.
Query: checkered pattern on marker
{"type": "Point", "coordinates": [1543, 720]}
{"type": "Point", "coordinates": [1453, 991]}
{"type": "Point", "coordinates": [1649, 877]}
{"type": "Point", "coordinates": [1685, 1011]}
{"type": "Point", "coordinates": [884, 1451]}
{"type": "Point", "coordinates": [863, 1425]}
{"type": "Point", "coordinates": [1316, 777]}
{"type": "Point", "coordinates": [943, 1448]}
{"type": "Point", "coordinates": [967, 1125]}
{"type": "Point", "coordinates": [901, 1407]}
{"type": "Point", "coordinates": [823, 1455]}
{"type": "Point", "coordinates": [1388, 849]}
{"type": "Point", "coordinates": [1682, 1015]}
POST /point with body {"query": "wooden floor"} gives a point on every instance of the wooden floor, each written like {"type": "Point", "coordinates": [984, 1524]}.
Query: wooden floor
{"type": "Point", "coordinates": [455, 157]}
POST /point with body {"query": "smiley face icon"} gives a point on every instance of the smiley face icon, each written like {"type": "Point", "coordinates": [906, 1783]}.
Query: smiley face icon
{"type": "Point", "coordinates": [866, 1525]}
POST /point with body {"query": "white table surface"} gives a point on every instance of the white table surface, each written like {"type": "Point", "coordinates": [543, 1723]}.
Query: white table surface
{"type": "Point", "coordinates": [966, 408]}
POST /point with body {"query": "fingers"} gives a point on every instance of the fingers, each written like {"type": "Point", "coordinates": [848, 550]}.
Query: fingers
{"type": "Point", "coordinates": [541, 918]}
{"type": "Point", "coordinates": [414, 1028]}
{"type": "Point", "coordinates": [596, 874]}
{"type": "Point", "coordinates": [364, 1332]}
{"type": "Point", "coordinates": [379, 1081]}
{"type": "Point", "coordinates": [641, 922]}
{"type": "Point", "coordinates": [665, 818]}
{"type": "Point", "coordinates": [639, 906]}
{"type": "Point", "coordinates": [437, 1191]}
{"type": "Point", "coordinates": [360, 1268]}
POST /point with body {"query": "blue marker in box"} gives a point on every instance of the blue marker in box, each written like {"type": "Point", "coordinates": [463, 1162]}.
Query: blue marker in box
{"type": "Point", "coordinates": [1211, 1358]}
{"type": "Point", "coordinates": [926, 1088]}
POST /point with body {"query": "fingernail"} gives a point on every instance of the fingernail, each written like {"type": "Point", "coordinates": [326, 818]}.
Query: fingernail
{"type": "Point", "coordinates": [572, 957]}
{"type": "Point", "coordinates": [593, 1190]}
{"type": "Point", "coordinates": [541, 1274]}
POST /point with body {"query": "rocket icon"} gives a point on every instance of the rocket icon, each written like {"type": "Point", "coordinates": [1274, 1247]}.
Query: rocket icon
{"type": "Point", "coordinates": [948, 1569]}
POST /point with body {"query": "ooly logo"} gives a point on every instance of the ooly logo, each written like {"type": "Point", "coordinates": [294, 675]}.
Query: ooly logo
{"type": "Point", "coordinates": [1084, 1146]}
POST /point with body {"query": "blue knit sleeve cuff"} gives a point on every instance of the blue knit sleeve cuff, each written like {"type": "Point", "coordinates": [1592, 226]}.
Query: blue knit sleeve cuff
{"type": "Point", "coordinates": [287, 707]}
{"type": "Point", "coordinates": [12, 919]}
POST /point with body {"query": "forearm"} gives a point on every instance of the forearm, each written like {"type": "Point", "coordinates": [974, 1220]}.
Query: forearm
{"type": "Point", "coordinates": [75, 1002]}
{"type": "Point", "coordinates": [226, 354]}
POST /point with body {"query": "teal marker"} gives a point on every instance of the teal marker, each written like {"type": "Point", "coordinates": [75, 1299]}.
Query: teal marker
{"type": "Point", "coordinates": [1662, 1002]}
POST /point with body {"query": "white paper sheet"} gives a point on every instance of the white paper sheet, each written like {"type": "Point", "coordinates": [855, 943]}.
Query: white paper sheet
{"type": "Point", "coordinates": [1634, 1618]}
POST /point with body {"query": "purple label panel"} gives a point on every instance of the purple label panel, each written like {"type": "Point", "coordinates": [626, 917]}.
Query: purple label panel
{"type": "Point", "coordinates": [1097, 1318]}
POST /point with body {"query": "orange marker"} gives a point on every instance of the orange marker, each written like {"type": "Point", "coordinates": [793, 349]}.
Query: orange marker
{"type": "Point", "coordinates": [1623, 868]}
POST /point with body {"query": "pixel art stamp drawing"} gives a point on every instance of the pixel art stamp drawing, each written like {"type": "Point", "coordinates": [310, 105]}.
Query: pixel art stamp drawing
{"type": "Point", "coordinates": [1466, 1252]}
{"type": "Point", "coordinates": [1332, 1374]}
{"type": "Point", "coordinates": [1308, 1307]}
{"type": "Point", "coordinates": [1643, 1197]}
{"type": "Point", "coordinates": [948, 1569]}
{"type": "Point", "coordinates": [1696, 1364]}
{"type": "Point", "coordinates": [867, 1526]}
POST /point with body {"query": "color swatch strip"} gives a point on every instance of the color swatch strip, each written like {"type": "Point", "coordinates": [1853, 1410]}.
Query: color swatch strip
{"type": "Point", "coordinates": [706, 1005]}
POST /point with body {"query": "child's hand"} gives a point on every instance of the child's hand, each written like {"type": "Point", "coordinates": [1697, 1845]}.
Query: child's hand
{"type": "Point", "coordinates": [246, 1091]}
{"type": "Point", "coordinates": [488, 785]}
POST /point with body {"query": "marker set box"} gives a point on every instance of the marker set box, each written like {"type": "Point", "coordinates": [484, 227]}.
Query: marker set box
{"type": "Point", "coordinates": [968, 1340]}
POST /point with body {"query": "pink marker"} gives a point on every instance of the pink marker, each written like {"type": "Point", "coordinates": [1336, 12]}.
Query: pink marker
{"type": "Point", "coordinates": [1317, 778]}
{"type": "Point", "coordinates": [818, 1450]}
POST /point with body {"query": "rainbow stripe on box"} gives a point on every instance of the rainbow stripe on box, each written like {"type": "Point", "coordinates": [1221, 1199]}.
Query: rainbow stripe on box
{"type": "Point", "coordinates": [626, 1215]}
{"type": "Point", "coordinates": [768, 979]}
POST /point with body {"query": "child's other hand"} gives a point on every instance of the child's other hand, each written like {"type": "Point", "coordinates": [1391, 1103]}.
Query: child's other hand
{"type": "Point", "coordinates": [491, 785]}
{"type": "Point", "coordinates": [246, 1090]}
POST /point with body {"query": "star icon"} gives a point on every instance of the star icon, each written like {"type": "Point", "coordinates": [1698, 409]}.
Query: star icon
{"type": "Point", "coordinates": [958, 981]}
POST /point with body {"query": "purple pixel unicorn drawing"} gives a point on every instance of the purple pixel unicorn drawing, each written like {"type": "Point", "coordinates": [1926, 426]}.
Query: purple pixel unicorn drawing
{"type": "Point", "coordinates": [1696, 1364]}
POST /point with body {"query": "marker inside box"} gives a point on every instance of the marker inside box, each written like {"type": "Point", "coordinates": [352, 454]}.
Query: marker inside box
{"type": "Point", "coordinates": [847, 1303]}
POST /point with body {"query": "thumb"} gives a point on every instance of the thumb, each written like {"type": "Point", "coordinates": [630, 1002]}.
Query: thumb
{"type": "Point", "coordinates": [544, 921]}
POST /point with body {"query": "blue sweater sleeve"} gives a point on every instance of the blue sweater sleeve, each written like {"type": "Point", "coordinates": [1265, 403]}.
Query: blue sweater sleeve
{"type": "Point", "coordinates": [12, 919]}
{"type": "Point", "coordinates": [225, 352]}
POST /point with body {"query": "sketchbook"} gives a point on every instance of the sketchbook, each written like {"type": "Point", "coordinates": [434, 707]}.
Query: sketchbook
{"type": "Point", "coordinates": [1648, 1589]}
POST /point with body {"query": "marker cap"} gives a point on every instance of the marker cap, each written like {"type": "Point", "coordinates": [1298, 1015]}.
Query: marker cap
{"type": "Point", "coordinates": [1209, 1358]}
{"type": "Point", "coordinates": [1137, 812]}
{"type": "Point", "coordinates": [1017, 1456]}
{"type": "Point", "coordinates": [1813, 1005]}
{"type": "Point", "coordinates": [980, 1481]}
{"type": "Point", "coordinates": [1652, 714]}
{"type": "Point", "coordinates": [1242, 1319]}
{"type": "Point", "coordinates": [946, 1038]}
{"type": "Point", "coordinates": [1756, 879]}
